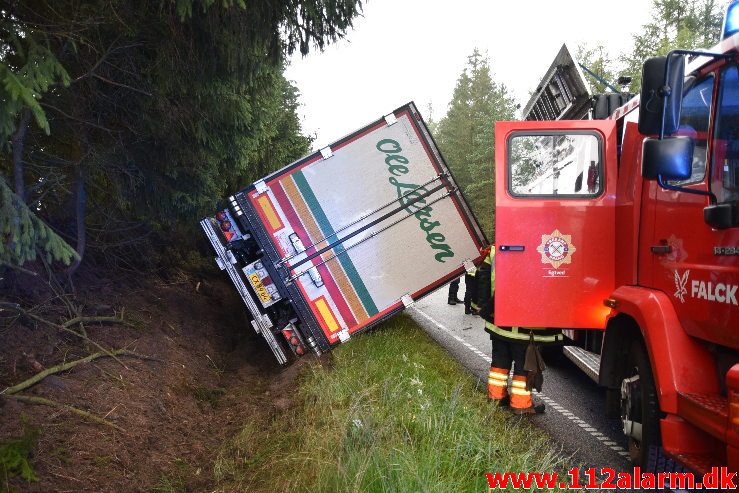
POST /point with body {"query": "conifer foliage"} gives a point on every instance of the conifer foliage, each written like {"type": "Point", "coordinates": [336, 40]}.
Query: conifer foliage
{"type": "Point", "coordinates": [466, 135]}
{"type": "Point", "coordinates": [685, 24]}
{"type": "Point", "coordinates": [122, 123]}
{"type": "Point", "coordinates": [24, 233]}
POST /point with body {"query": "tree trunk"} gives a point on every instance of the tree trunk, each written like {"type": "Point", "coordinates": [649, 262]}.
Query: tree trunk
{"type": "Point", "coordinates": [18, 140]}
{"type": "Point", "coordinates": [80, 206]}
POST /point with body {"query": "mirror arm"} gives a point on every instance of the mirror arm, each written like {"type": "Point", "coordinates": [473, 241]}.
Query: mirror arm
{"type": "Point", "coordinates": [666, 90]}
{"type": "Point", "coordinates": [667, 186]}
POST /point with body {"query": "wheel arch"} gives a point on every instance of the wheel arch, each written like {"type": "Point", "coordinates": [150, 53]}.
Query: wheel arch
{"type": "Point", "coordinates": [679, 362]}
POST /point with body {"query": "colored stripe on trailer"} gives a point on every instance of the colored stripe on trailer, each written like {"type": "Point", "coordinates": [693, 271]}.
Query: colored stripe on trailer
{"type": "Point", "coordinates": [270, 213]}
{"type": "Point", "coordinates": [334, 278]}
{"type": "Point", "coordinates": [328, 231]}
{"type": "Point", "coordinates": [326, 314]}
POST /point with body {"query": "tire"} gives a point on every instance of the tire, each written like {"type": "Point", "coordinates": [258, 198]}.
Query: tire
{"type": "Point", "coordinates": [641, 405]}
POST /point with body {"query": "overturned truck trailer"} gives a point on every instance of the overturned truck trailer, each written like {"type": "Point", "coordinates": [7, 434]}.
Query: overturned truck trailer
{"type": "Point", "coordinates": [344, 238]}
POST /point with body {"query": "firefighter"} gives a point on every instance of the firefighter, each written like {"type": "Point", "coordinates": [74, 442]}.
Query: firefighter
{"type": "Point", "coordinates": [509, 346]}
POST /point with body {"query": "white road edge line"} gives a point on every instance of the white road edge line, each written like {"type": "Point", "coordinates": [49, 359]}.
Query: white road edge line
{"type": "Point", "coordinates": [591, 430]}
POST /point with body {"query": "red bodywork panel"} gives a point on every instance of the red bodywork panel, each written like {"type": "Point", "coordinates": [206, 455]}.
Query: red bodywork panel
{"type": "Point", "coordinates": [679, 361]}
{"type": "Point", "coordinates": [628, 205]}
{"type": "Point", "coordinates": [646, 248]}
{"type": "Point", "coordinates": [536, 287]}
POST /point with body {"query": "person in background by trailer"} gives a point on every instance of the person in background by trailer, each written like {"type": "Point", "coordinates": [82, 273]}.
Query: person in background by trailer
{"type": "Point", "coordinates": [509, 348]}
{"type": "Point", "coordinates": [452, 298]}
{"type": "Point", "coordinates": [470, 292]}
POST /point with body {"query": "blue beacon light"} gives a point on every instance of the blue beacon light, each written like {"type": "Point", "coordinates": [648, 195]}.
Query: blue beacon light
{"type": "Point", "coordinates": [731, 21]}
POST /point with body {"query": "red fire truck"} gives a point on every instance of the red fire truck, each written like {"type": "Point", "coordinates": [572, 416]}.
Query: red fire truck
{"type": "Point", "coordinates": [629, 227]}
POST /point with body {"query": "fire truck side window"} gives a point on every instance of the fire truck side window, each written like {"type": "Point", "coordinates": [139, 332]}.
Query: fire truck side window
{"type": "Point", "coordinates": [725, 168]}
{"type": "Point", "coordinates": [555, 165]}
{"type": "Point", "coordinates": [694, 121]}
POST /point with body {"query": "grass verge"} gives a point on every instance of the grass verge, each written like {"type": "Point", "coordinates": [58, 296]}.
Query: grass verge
{"type": "Point", "coordinates": [393, 413]}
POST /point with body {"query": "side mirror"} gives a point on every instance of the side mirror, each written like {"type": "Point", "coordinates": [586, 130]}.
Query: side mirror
{"type": "Point", "coordinates": [722, 216]}
{"type": "Point", "coordinates": [661, 93]}
{"type": "Point", "coordinates": [671, 158]}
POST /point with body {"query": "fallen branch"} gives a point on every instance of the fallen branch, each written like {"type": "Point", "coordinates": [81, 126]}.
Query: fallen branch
{"type": "Point", "coordinates": [101, 348]}
{"type": "Point", "coordinates": [80, 320]}
{"type": "Point", "coordinates": [30, 382]}
{"type": "Point", "coordinates": [16, 307]}
{"type": "Point", "coordinates": [65, 327]}
{"type": "Point", "coordinates": [30, 399]}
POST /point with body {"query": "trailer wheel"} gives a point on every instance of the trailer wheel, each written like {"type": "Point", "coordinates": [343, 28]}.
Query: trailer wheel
{"type": "Point", "coordinates": [639, 405]}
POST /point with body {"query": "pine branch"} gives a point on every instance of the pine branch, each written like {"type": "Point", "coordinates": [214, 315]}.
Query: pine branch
{"type": "Point", "coordinates": [30, 382]}
{"type": "Point", "coordinates": [119, 84]}
{"type": "Point", "coordinates": [78, 320]}
{"type": "Point", "coordinates": [65, 327]}
{"type": "Point", "coordinates": [30, 399]}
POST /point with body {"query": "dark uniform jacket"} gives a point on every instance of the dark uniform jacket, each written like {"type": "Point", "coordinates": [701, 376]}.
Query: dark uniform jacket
{"type": "Point", "coordinates": [486, 299]}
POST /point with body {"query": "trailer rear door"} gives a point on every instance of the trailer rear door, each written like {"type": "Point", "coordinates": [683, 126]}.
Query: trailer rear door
{"type": "Point", "coordinates": [366, 225]}
{"type": "Point", "coordinates": [555, 222]}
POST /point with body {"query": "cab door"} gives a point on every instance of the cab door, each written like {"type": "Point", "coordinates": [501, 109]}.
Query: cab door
{"type": "Point", "coordinates": [555, 222]}
{"type": "Point", "coordinates": [697, 265]}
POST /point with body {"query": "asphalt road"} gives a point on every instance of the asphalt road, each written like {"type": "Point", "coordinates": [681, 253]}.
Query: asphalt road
{"type": "Point", "coordinates": [575, 406]}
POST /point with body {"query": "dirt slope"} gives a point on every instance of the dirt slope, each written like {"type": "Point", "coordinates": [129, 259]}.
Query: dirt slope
{"type": "Point", "coordinates": [214, 376]}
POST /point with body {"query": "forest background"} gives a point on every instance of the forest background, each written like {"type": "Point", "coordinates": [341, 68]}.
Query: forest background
{"type": "Point", "coordinates": [121, 126]}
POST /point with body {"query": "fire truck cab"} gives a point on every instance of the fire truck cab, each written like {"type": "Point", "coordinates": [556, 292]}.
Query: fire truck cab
{"type": "Point", "coordinates": [629, 227]}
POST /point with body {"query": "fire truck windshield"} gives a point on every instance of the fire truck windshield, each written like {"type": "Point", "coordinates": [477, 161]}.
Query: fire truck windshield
{"type": "Point", "coordinates": [694, 123]}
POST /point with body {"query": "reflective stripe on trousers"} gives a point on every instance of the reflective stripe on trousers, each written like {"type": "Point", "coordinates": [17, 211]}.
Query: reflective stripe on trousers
{"type": "Point", "coordinates": [520, 397]}
{"type": "Point", "coordinates": [514, 333]}
{"type": "Point", "coordinates": [497, 383]}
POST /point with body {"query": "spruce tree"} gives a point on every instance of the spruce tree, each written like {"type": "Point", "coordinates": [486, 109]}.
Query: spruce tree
{"type": "Point", "coordinates": [686, 24]}
{"type": "Point", "coordinates": [157, 111]}
{"type": "Point", "coordinates": [466, 135]}
{"type": "Point", "coordinates": [24, 234]}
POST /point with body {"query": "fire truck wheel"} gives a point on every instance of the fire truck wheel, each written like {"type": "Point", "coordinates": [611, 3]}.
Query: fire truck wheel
{"type": "Point", "coordinates": [639, 405]}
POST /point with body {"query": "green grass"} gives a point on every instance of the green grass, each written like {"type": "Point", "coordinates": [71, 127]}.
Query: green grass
{"type": "Point", "coordinates": [15, 456]}
{"type": "Point", "coordinates": [175, 480]}
{"type": "Point", "coordinates": [211, 395]}
{"type": "Point", "coordinates": [393, 413]}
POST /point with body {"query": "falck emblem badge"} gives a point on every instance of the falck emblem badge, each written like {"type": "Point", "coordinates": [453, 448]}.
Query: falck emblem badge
{"type": "Point", "coordinates": [556, 249]}
{"type": "Point", "coordinates": [681, 283]}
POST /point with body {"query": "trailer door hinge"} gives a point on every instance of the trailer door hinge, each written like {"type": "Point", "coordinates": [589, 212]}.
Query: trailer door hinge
{"type": "Point", "coordinates": [391, 119]}
{"type": "Point", "coordinates": [260, 186]}
{"type": "Point", "coordinates": [469, 266]}
{"type": "Point", "coordinates": [343, 335]}
{"type": "Point", "coordinates": [326, 152]}
{"type": "Point", "coordinates": [407, 300]}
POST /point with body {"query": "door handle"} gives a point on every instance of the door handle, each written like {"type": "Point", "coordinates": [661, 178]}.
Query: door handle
{"type": "Point", "coordinates": [512, 248]}
{"type": "Point", "coordinates": [661, 249]}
